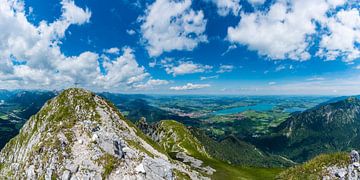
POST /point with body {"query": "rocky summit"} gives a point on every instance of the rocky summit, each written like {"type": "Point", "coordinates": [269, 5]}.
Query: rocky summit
{"type": "Point", "coordinates": [79, 135]}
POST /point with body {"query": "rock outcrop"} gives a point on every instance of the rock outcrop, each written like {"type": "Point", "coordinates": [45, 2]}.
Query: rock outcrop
{"type": "Point", "coordinates": [79, 135]}
{"type": "Point", "coordinates": [350, 172]}
{"type": "Point", "coordinates": [340, 166]}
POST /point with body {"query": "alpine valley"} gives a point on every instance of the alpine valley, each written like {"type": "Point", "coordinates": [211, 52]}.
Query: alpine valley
{"type": "Point", "coordinates": [77, 134]}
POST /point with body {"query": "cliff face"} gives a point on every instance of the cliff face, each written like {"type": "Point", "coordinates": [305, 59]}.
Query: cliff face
{"type": "Point", "coordinates": [80, 135]}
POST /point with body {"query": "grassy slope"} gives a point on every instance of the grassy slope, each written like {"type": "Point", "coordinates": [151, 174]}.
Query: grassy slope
{"type": "Point", "coordinates": [227, 171]}
{"type": "Point", "coordinates": [313, 169]}
{"type": "Point", "coordinates": [186, 142]}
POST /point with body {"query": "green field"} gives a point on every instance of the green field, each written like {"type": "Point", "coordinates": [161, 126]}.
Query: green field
{"type": "Point", "coordinates": [4, 117]}
{"type": "Point", "coordinates": [226, 171]}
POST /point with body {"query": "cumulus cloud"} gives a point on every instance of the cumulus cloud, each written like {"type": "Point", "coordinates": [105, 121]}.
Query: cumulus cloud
{"type": "Point", "coordinates": [74, 14]}
{"type": "Point", "coordinates": [130, 32]}
{"type": "Point", "coordinates": [287, 30]}
{"type": "Point", "coordinates": [184, 67]}
{"type": "Point", "coordinates": [343, 36]}
{"type": "Point", "coordinates": [282, 31]}
{"type": "Point", "coordinates": [151, 83]}
{"type": "Point", "coordinates": [172, 25]}
{"type": "Point", "coordinates": [225, 68]}
{"type": "Point", "coordinates": [189, 86]}
{"type": "Point", "coordinates": [225, 7]}
{"type": "Point", "coordinates": [123, 71]}
{"type": "Point", "coordinates": [256, 2]}
{"type": "Point", "coordinates": [152, 64]}
{"type": "Point", "coordinates": [113, 50]}
{"type": "Point", "coordinates": [37, 47]}
{"type": "Point", "coordinates": [30, 55]}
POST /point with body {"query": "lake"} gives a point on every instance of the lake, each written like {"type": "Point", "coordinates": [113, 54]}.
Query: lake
{"type": "Point", "coordinates": [235, 110]}
{"type": "Point", "coordinates": [294, 109]}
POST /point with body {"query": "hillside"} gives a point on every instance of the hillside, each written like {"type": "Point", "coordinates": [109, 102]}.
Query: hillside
{"type": "Point", "coordinates": [237, 152]}
{"type": "Point", "coordinates": [183, 144]}
{"type": "Point", "coordinates": [16, 108]}
{"type": "Point", "coordinates": [80, 135]}
{"type": "Point", "coordinates": [328, 128]}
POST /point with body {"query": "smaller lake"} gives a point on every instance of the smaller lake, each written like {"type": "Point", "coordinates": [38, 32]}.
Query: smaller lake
{"type": "Point", "coordinates": [294, 109]}
{"type": "Point", "coordinates": [235, 110]}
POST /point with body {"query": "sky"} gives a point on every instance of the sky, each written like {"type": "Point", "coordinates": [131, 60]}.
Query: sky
{"type": "Point", "coordinates": [245, 47]}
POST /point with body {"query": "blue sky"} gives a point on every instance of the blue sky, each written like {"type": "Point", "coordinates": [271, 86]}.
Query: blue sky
{"type": "Point", "coordinates": [182, 47]}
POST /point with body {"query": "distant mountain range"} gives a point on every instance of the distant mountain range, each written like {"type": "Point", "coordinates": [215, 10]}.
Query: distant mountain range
{"type": "Point", "coordinates": [330, 127]}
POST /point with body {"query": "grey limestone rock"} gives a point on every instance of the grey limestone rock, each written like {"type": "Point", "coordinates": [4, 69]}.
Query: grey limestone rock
{"type": "Point", "coordinates": [354, 156]}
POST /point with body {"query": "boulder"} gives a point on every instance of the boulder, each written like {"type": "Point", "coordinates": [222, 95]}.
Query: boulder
{"type": "Point", "coordinates": [118, 149]}
{"type": "Point", "coordinates": [341, 173]}
{"type": "Point", "coordinates": [354, 156]}
{"type": "Point", "coordinates": [140, 169]}
{"type": "Point", "coordinates": [66, 175]}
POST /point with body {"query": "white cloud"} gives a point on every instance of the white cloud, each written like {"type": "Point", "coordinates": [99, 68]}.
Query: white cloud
{"type": "Point", "coordinates": [335, 3]}
{"type": "Point", "coordinates": [130, 32]}
{"type": "Point", "coordinates": [74, 14]}
{"type": "Point", "coordinates": [189, 86]}
{"type": "Point", "coordinates": [288, 28]}
{"type": "Point", "coordinates": [280, 33]}
{"type": "Point", "coordinates": [209, 77]}
{"type": "Point", "coordinates": [36, 46]}
{"type": "Point", "coordinates": [225, 68]}
{"type": "Point", "coordinates": [79, 69]}
{"type": "Point", "coordinates": [152, 64]}
{"type": "Point", "coordinates": [231, 47]}
{"type": "Point", "coordinates": [272, 83]}
{"type": "Point", "coordinates": [172, 25]}
{"type": "Point", "coordinates": [113, 50]}
{"type": "Point", "coordinates": [151, 83]}
{"type": "Point", "coordinates": [43, 65]}
{"type": "Point", "coordinates": [333, 86]}
{"type": "Point", "coordinates": [342, 37]}
{"type": "Point", "coordinates": [185, 67]}
{"type": "Point", "coordinates": [315, 79]}
{"type": "Point", "coordinates": [123, 71]}
{"type": "Point", "coordinates": [225, 7]}
{"type": "Point", "coordinates": [256, 2]}
{"type": "Point", "coordinates": [280, 68]}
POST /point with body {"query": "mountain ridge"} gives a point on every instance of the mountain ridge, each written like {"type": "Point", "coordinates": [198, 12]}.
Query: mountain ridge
{"type": "Point", "coordinates": [80, 135]}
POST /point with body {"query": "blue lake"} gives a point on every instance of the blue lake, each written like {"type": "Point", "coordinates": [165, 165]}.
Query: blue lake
{"type": "Point", "coordinates": [294, 109]}
{"type": "Point", "coordinates": [235, 110]}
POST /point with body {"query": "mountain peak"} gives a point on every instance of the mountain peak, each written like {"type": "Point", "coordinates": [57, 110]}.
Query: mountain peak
{"type": "Point", "coordinates": [79, 134]}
